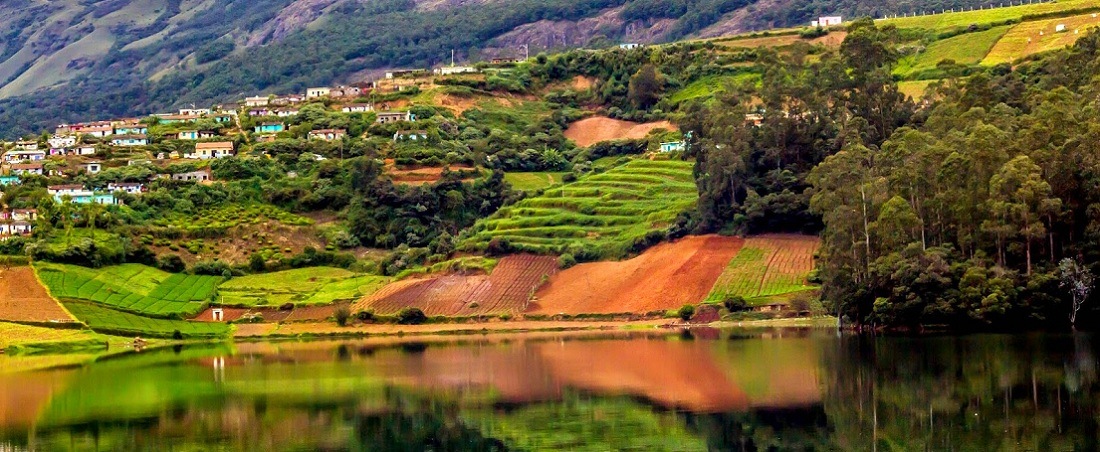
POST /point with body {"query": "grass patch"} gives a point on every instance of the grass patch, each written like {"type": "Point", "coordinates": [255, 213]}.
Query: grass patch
{"type": "Point", "coordinates": [941, 22]}
{"type": "Point", "coordinates": [965, 49]}
{"type": "Point", "coordinates": [711, 85]}
{"type": "Point", "coordinates": [232, 215]}
{"type": "Point", "coordinates": [303, 286]}
{"type": "Point", "coordinates": [19, 339]}
{"type": "Point", "coordinates": [601, 215]}
{"type": "Point", "coordinates": [533, 181]}
{"type": "Point", "coordinates": [914, 88]}
{"type": "Point", "coordinates": [109, 321]}
{"type": "Point", "coordinates": [1015, 43]}
{"type": "Point", "coordinates": [131, 287]}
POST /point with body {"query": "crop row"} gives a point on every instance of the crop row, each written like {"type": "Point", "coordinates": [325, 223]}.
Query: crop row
{"type": "Point", "coordinates": [110, 321]}
{"type": "Point", "coordinates": [131, 288]}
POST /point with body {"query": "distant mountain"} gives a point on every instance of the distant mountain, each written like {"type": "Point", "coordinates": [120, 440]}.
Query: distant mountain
{"type": "Point", "coordinates": [72, 60]}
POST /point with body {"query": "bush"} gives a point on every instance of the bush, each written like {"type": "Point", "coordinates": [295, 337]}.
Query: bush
{"type": "Point", "coordinates": [177, 335]}
{"type": "Point", "coordinates": [365, 316]}
{"type": "Point", "coordinates": [342, 315]}
{"type": "Point", "coordinates": [411, 316]}
{"type": "Point", "coordinates": [566, 261]}
{"type": "Point", "coordinates": [171, 263]}
{"type": "Point", "coordinates": [685, 312]}
{"type": "Point", "coordinates": [215, 268]}
{"type": "Point", "coordinates": [735, 303]}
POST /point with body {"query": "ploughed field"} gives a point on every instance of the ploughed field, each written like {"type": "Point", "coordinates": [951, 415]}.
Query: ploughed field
{"type": "Point", "coordinates": [507, 290]}
{"type": "Point", "coordinates": [589, 131]}
{"type": "Point", "coordinates": [767, 266]}
{"type": "Point", "coordinates": [23, 299]}
{"type": "Point", "coordinates": [604, 213]}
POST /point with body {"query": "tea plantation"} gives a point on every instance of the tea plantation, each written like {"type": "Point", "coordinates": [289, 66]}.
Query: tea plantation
{"type": "Point", "coordinates": [131, 287]}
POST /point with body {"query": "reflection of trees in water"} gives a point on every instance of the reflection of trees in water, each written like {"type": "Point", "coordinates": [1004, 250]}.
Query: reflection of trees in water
{"type": "Point", "coordinates": [975, 392]}
{"type": "Point", "coordinates": [780, 429]}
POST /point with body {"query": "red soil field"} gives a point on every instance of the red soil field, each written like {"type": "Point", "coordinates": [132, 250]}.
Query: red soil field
{"type": "Point", "coordinates": [506, 290]}
{"type": "Point", "coordinates": [665, 277]}
{"type": "Point", "coordinates": [24, 299]}
{"type": "Point", "coordinates": [589, 131]}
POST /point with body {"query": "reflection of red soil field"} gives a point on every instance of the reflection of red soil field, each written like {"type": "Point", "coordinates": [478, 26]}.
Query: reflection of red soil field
{"type": "Point", "coordinates": [672, 374]}
{"type": "Point", "coordinates": [665, 277]}
{"type": "Point", "coordinates": [23, 299]}
{"type": "Point", "coordinates": [506, 290]}
{"type": "Point", "coordinates": [589, 131]}
{"type": "Point", "coordinates": [22, 408]}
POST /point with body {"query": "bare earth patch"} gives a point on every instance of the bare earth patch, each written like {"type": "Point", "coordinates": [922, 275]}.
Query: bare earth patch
{"type": "Point", "coordinates": [24, 299]}
{"type": "Point", "coordinates": [589, 131]}
{"type": "Point", "coordinates": [665, 277]}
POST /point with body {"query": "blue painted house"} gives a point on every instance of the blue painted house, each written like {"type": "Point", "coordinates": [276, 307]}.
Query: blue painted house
{"type": "Point", "coordinates": [673, 146]}
{"type": "Point", "coordinates": [270, 127]}
{"type": "Point", "coordinates": [131, 130]}
{"type": "Point", "coordinates": [9, 180]}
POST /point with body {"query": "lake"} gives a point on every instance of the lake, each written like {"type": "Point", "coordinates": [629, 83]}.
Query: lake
{"type": "Point", "coordinates": [707, 389]}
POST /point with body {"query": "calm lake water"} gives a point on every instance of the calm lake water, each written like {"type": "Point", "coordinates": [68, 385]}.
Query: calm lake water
{"type": "Point", "coordinates": [710, 390]}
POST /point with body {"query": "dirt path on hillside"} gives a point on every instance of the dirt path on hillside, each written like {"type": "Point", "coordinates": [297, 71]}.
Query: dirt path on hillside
{"type": "Point", "coordinates": [24, 299]}
{"type": "Point", "coordinates": [665, 277]}
{"type": "Point", "coordinates": [589, 131]}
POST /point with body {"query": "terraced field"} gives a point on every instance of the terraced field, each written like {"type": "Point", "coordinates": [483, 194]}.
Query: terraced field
{"type": "Point", "coordinates": [131, 287]}
{"type": "Point", "coordinates": [949, 21]}
{"type": "Point", "coordinates": [605, 213]}
{"type": "Point", "coordinates": [110, 321]}
{"type": "Point", "coordinates": [304, 286]}
{"type": "Point", "coordinates": [767, 265]}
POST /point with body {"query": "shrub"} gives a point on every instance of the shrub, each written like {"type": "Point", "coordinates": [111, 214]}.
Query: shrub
{"type": "Point", "coordinates": [735, 303]}
{"type": "Point", "coordinates": [566, 261]}
{"type": "Point", "coordinates": [171, 263]}
{"type": "Point", "coordinates": [365, 316]}
{"type": "Point", "coordinates": [411, 316]}
{"type": "Point", "coordinates": [685, 312]}
{"type": "Point", "coordinates": [177, 335]}
{"type": "Point", "coordinates": [342, 315]}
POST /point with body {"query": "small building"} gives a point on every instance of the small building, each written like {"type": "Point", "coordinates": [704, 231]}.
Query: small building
{"type": "Point", "coordinates": [14, 228]}
{"type": "Point", "coordinates": [286, 112]}
{"type": "Point", "coordinates": [827, 21]}
{"type": "Point", "coordinates": [261, 111]}
{"type": "Point", "coordinates": [85, 150]}
{"type": "Point", "coordinates": [9, 180]}
{"type": "Point", "coordinates": [410, 135]}
{"type": "Point", "coordinates": [505, 60]}
{"type": "Point", "coordinates": [267, 138]}
{"type": "Point", "coordinates": [98, 131]}
{"type": "Point", "coordinates": [132, 188]}
{"type": "Point", "coordinates": [21, 155]}
{"type": "Point", "coordinates": [387, 117]}
{"type": "Point", "coordinates": [629, 46]}
{"type": "Point", "coordinates": [756, 119]}
{"type": "Point", "coordinates": [452, 70]}
{"type": "Point", "coordinates": [24, 214]}
{"type": "Point", "coordinates": [256, 101]}
{"type": "Point", "coordinates": [176, 119]}
{"type": "Point", "coordinates": [327, 134]}
{"type": "Point", "coordinates": [66, 190]}
{"type": "Point", "coordinates": [131, 130]}
{"type": "Point", "coordinates": [130, 140]}
{"type": "Point", "coordinates": [62, 141]}
{"type": "Point", "coordinates": [202, 175]}
{"type": "Point", "coordinates": [213, 150]}
{"type": "Point", "coordinates": [195, 135]}
{"type": "Point", "coordinates": [24, 169]}
{"type": "Point", "coordinates": [315, 93]}
{"type": "Point", "coordinates": [271, 127]}
{"type": "Point", "coordinates": [342, 92]}
{"type": "Point", "coordinates": [357, 108]}
{"type": "Point", "coordinates": [26, 145]}
{"type": "Point", "coordinates": [195, 111]}
{"type": "Point", "coordinates": [92, 167]}
{"type": "Point", "coordinates": [405, 73]}
{"type": "Point", "coordinates": [673, 146]}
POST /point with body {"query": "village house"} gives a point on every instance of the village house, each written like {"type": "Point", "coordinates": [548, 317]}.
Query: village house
{"type": "Point", "coordinates": [673, 146]}
{"type": "Point", "coordinates": [267, 138]}
{"type": "Point", "coordinates": [19, 155]}
{"type": "Point", "coordinates": [315, 93]}
{"type": "Point", "coordinates": [215, 150]}
{"type": "Point", "coordinates": [176, 118]}
{"type": "Point", "coordinates": [286, 112]}
{"type": "Point", "coordinates": [629, 46]}
{"type": "Point", "coordinates": [405, 73]}
{"type": "Point", "coordinates": [11, 227]}
{"type": "Point", "coordinates": [357, 108]}
{"type": "Point", "coordinates": [505, 60]}
{"type": "Point", "coordinates": [202, 175]}
{"type": "Point", "coordinates": [24, 215]}
{"type": "Point", "coordinates": [134, 129]}
{"type": "Point", "coordinates": [26, 145]}
{"type": "Point", "coordinates": [85, 150]}
{"type": "Point", "coordinates": [92, 167]}
{"type": "Point", "coordinates": [452, 70]}
{"type": "Point", "coordinates": [79, 194]}
{"type": "Point", "coordinates": [130, 140]}
{"type": "Point", "coordinates": [195, 111]}
{"type": "Point", "coordinates": [256, 101]}
{"type": "Point", "coordinates": [327, 134]}
{"type": "Point", "coordinates": [23, 169]}
{"type": "Point", "coordinates": [827, 21]}
{"type": "Point", "coordinates": [66, 190]}
{"type": "Point", "coordinates": [9, 180]}
{"type": "Point", "coordinates": [61, 141]}
{"type": "Point", "coordinates": [261, 111]}
{"type": "Point", "coordinates": [410, 135]}
{"type": "Point", "coordinates": [132, 188]}
{"type": "Point", "coordinates": [195, 135]}
{"type": "Point", "coordinates": [99, 130]}
{"type": "Point", "coordinates": [345, 92]}
{"type": "Point", "coordinates": [223, 117]}
{"type": "Point", "coordinates": [270, 127]}
{"type": "Point", "coordinates": [387, 117]}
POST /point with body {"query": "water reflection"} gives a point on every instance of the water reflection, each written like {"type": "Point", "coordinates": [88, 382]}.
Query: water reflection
{"type": "Point", "coordinates": [716, 390]}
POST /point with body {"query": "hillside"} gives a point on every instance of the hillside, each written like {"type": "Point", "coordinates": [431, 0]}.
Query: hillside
{"type": "Point", "coordinates": [67, 61]}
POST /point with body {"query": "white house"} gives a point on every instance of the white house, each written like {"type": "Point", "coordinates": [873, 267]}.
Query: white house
{"type": "Point", "coordinates": [673, 146]}
{"type": "Point", "coordinates": [451, 70]}
{"type": "Point", "coordinates": [193, 176]}
{"type": "Point", "coordinates": [256, 101]}
{"type": "Point", "coordinates": [92, 167]}
{"type": "Point", "coordinates": [327, 134]}
{"type": "Point", "coordinates": [215, 150]}
{"type": "Point", "coordinates": [24, 214]}
{"type": "Point", "coordinates": [62, 141]}
{"type": "Point", "coordinates": [357, 108]}
{"type": "Point", "coordinates": [386, 117]}
{"type": "Point", "coordinates": [412, 135]}
{"type": "Point", "coordinates": [22, 169]}
{"type": "Point", "coordinates": [85, 150]}
{"type": "Point", "coordinates": [827, 21]}
{"type": "Point", "coordinates": [629, 46]}
{"type": "Point", "coordinates": [132, 188]}
{"type": "Point", "coordinates": [314, 93]}
{"type": "Point", "coordinates": [27, 145]}
{"type": "Point", "coordinates": [286, 112]}
{"type": "Point", "coordinates": [18, 155]}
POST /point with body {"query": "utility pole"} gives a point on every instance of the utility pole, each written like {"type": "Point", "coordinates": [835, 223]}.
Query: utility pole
{"type": "Point", "coordinates": [526, 52]}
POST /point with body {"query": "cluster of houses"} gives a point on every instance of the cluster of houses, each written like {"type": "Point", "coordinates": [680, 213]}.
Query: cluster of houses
{"type": "Point", "coordinates": [17, 222]}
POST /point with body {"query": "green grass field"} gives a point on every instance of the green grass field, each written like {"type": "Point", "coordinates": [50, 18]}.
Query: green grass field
{"type": "Point", "coordinates": [305, 286]}
{"type": "Point", "coordinates": [1024, 39]}
{"type": "Point", "coordinates": [914, 88]}
{"type": "Point", "coordinates": [604, 213]}
{"type": "Point", "coordinates": [131, 287]}
{"type": "Point", "coordinates": [232, 215]}
{"type": "Point", "coordinates": [709, 86]}
{"type": "Point", "coordinates": [965, 49]}
{"type": "Point", "coordinates": [110, 321]}
{"type": "Point", "coordinates": [767, 267]}
{"type": "Point", "coordinates": [532, 181]}
{"type": "Point", "coordinates": [25, 339]}
{"type": "Point", "coordinates": [950, 21]}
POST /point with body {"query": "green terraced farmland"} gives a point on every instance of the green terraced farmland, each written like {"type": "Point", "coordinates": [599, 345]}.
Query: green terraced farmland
{"type": "Point", "coordinates": [109, 321]}
{"type": "Point", "coordinates": [602, 213]}
{"type": "Point", "coordinates": [987, 16]}
{"type": "Point", "coordinates": [304, 286]}
{"type": "Point", "coordinates": [532, 181]}
{"type": "Point", "coordinates": [131, 287]}
{"type": "Point", "coordinates": [767, 266]}
{"type": "Point", "coordinates": [966, 49]}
